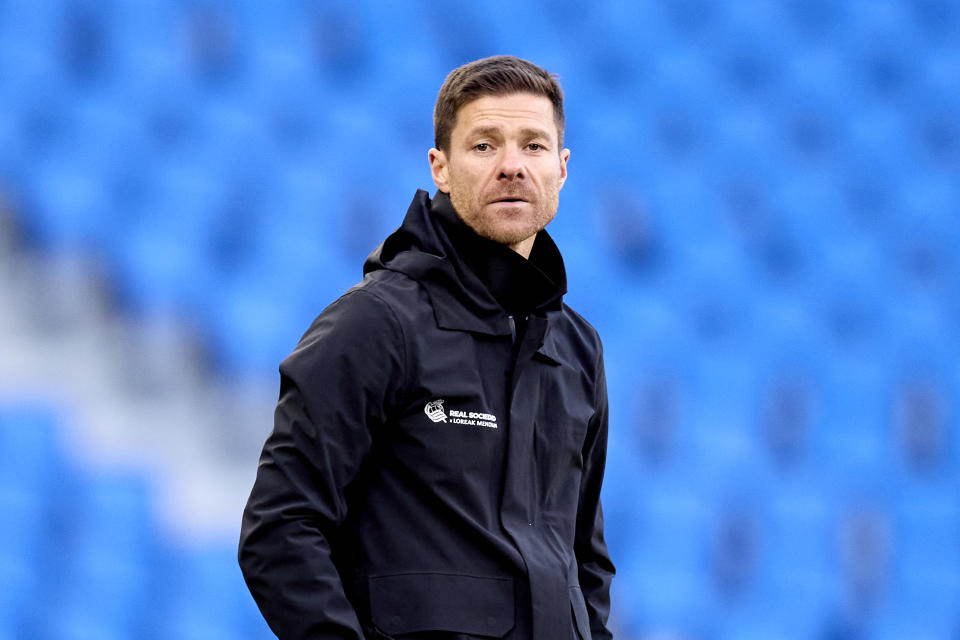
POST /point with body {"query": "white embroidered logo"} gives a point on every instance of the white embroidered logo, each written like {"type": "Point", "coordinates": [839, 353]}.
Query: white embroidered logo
{"type": "Point", "coordinates": [473, 418]}
{"type": "Point", "coordinates": [434, 411]}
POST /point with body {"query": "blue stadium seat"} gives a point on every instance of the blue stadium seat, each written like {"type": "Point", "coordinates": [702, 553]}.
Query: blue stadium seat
{"type": "Point", "coordinates": [286, 103]}
{"type": "Point", "coordinates": [817, 21]}
{"type": "Point", "coordinates": [749, 58]}
{"type": "Point", "coordinates": [29, 466]}
{"type": "Point", "coordinates": [104, 578]}
{"type": "Point", "coordinates": [29, 446]}
{"type": "Point", "coordinates": [204, 596]}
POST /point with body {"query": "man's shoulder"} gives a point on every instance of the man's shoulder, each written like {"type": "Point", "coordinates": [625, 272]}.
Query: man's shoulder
{"type": "Point", "coordinates": [581, 329]}
{"type": "Point", "coordinates": [380, 293]}
{"type": "Point", "coordinates": [368, 314]}
{"type": "Point", "coordinates": [401, 294]}
{"type": "Point", "coordinates": [386, 284]}
{"type": "Point", "coordinates": [382, 296]}
{"type": "Point", "coordinates": [576, 342]}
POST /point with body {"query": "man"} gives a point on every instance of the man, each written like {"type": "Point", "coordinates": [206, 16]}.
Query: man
{"type": "Point", "coordinates": [435, 466]}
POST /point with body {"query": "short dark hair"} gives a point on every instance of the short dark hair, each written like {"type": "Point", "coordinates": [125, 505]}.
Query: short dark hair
{"type": "Point", "coordinates": [493, 76]}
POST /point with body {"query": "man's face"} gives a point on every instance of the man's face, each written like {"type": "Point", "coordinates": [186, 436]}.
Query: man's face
{"type": "Point", "coordinates": [504, 168]}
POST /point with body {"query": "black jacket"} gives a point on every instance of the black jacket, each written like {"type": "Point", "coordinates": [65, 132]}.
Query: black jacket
{"type": "Point", "coordinates": [426, 476]}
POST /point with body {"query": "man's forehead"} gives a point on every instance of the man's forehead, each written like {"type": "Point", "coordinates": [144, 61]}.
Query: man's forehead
{"type": "Point", "coordinates": [514, 110]}
{"type": "Point", "coordinates": [518, 104]}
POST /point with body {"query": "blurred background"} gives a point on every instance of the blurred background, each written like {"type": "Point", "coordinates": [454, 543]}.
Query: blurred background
{"type": "Point", "coordinates": [761, 219]}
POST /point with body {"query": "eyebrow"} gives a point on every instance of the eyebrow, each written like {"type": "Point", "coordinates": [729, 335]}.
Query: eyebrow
{"type": "Point", "coordinates": [527, 132]}
{"type": "Point", "coordinates": [530, 132]}
{"type": "Point", "coordinates": [485, 131]}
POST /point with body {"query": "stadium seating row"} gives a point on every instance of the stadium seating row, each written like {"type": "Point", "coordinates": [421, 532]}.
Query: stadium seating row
{"type": "Point", "coordinates": [760, 219]}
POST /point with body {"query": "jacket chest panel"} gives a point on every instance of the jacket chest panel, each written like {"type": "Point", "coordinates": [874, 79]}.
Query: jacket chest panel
{"type": "Point", "coordinates": [463, 416]}
{"type": "Point", "coordinates": [453, 427]}
{"type": "Point", "coordinates": [563, 413]}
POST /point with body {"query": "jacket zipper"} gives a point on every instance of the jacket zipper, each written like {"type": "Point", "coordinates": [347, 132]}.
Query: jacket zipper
{"type": "Point", "coordinates": [532, 493]}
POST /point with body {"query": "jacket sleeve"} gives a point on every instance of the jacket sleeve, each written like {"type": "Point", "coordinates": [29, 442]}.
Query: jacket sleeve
{"type": "Point", "coordinates": [595, 568]}
{"type": "Point", "coordinates": [336, 390]}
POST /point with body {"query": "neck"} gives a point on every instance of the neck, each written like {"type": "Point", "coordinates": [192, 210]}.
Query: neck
{"type": "Point", "coordinates": [524, 246]}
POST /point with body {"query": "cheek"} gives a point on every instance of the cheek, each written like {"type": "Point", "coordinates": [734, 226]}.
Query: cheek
{"type": "Point", "coordinates": [461, 175]}
{"type": "Point", "coordinates": [550, 182]}
{"type": "Point", "coordinates": [473, 185]}
{"type": "Point", "coordinates": [550, 173]}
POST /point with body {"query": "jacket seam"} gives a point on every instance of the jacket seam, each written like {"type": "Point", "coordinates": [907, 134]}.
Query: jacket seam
{"type": "Point", "coordinates": [396, 321]}
{"type": "Point", "coordinates": [454, 574]}
{"type": "Point", "coordinates": [597, 367]}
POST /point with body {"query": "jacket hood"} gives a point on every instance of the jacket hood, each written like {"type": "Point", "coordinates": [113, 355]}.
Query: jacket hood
{"type": "Point", "coordinates": [422, 249]}
{"type": "Point", "coordinates": [417, 234]}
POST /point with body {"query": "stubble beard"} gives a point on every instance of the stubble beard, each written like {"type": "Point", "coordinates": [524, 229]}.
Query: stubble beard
{"type": "Point", "coordinates": [494, 226]}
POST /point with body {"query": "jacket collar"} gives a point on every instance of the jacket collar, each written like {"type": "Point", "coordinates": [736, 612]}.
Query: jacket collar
{"type": "Point", "coordinates": [451, 308]}
{"type": "Point", "coordinates": [549, 347]}
{"type": "Point", "coordinates": [422, 249]}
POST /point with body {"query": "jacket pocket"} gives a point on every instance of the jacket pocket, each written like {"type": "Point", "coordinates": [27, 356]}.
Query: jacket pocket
{"type": "Point", "coordinates": [412, 602]}
{"type": "Point", "coordinates": [580, 615]}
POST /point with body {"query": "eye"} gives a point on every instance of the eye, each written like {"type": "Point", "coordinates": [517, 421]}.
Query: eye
{"type": "Point", "coordinates": [535, 146]}
{"type": "Point", "coordinates": [482, 146]}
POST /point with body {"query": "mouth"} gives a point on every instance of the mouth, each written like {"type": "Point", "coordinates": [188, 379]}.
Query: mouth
{"type": "Point", "coordinates": [508, 200]}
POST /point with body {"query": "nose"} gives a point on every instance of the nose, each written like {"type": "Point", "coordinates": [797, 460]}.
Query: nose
{"type": "Point", "coordinates": [511, 164]}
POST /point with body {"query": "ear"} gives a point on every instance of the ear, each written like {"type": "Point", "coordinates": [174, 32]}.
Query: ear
{"type": "Point", "coordinates": [564, 156]}
{"type": "Point", "coordinates": [438, 169]}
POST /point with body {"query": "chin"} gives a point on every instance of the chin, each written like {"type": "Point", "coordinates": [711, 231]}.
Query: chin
{"type": "Point", "coordinates": [510, 234]}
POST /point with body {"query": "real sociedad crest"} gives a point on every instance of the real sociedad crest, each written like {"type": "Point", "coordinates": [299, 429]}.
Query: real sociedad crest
{"type": "Point", "coordinates": [434, 411]}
